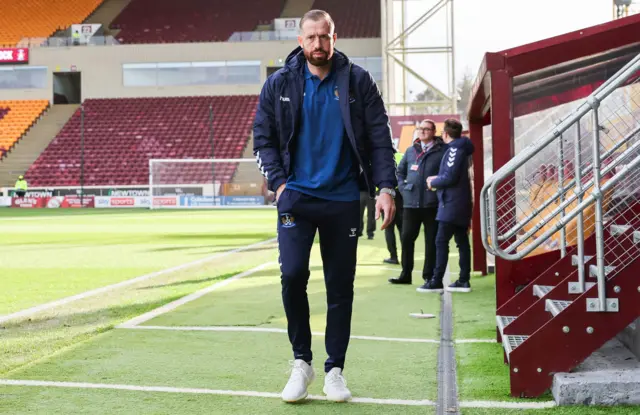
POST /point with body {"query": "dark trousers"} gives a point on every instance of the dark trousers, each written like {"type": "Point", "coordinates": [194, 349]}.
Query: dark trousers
{"type": "Point", "coordinates": [460, 234]}
{"type": "Point", "coordinates": [370, 204]}
{"type": "Point", "coordinates": [299, 216]}
{"type": "Point", "coordinates": [389, 233]}
{"type": "Point", "coordinates": [412, 219]}
{"type": "Point", "coordinates": [20, 193]}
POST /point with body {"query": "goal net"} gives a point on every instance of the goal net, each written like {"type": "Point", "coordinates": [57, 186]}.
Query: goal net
{"type": "Point", "coordinates": [207, 183]}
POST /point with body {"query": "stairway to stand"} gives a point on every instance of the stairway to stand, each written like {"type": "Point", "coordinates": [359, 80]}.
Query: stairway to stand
{"type": "Point", "coordinates": [576, 191]}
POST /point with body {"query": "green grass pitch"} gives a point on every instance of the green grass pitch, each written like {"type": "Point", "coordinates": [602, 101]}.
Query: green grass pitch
{"type": "Point", "coordinates": [196, 351]}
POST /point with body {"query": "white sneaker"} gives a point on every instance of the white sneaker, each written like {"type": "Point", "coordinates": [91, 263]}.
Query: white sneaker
{"type": "Point", "coordinates": [335, 386]}
{"type": "Point", "coordinates": [302, 375]}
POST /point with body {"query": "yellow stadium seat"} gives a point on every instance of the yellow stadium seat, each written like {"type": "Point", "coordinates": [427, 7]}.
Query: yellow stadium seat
{"type": "Point", "coordinates": [20, 116]}
{"type": "Point", "coordinates": [40, 18]}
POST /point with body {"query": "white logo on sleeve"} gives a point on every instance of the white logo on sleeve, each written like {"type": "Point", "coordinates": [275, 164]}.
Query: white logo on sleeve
{"type": "Point", "coordinates": [452, 157]}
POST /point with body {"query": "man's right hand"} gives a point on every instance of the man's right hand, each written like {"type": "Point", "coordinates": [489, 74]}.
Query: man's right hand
{"type": "Point", "coordinates": [279, 191]}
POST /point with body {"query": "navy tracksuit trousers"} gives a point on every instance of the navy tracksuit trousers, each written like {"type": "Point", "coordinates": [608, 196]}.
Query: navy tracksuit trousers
{"type": "Point", "coordinates": [299, 216]}
{"type": "Point", "coordinates": [460, 234]}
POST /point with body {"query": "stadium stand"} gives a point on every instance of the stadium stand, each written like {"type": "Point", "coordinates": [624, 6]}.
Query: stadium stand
{"type": "Point", "coordinates": [16, 117]}
{"type": "Point", "coordinates": [121, 135]}
{"type": "Point", "coordinates": [40, 18]}
{"type": "Point", "coordinates": [3, 150]}
{"type": "Point", "coordinates": [353, 18]}
{"type": "Point", "coordinates": [170, 21]}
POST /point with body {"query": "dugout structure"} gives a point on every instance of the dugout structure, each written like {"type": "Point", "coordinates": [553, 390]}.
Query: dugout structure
{"type": "Point", "coordinates": [518, 95]}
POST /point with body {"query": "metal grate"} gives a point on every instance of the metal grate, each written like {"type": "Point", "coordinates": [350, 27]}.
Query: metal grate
{"type": "Point", "coordinates": [575, 261]}
{"type": "Point", "coordinates": [555, 307]}
{"type": "Point", "coordinates": [593, 270]}
{"type": "Point", "coordinates": [504, 321]}
{"type": "Point", "coordinates": [619, 229]}
{"type": "Point", "coordinates": [511, 342]}
{"type": "Point", "coordinates": [542, 290]}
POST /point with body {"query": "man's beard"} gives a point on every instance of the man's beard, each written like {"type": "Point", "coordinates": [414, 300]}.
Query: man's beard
{"type": "Point", "coordinates": [318, 61]}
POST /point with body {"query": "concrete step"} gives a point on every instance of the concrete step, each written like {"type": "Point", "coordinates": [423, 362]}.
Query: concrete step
{"type": "Point", "coordinates": [630, 337]}
{"type": "Point", "coordinates": [610, 376]}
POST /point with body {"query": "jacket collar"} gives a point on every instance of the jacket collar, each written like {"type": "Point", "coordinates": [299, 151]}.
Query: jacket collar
{"type": "Point", "coordinates": [308, 75]}
{"type": "Point", "coordinates": [436, 145]}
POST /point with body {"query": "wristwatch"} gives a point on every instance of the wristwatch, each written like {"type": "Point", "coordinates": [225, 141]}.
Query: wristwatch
{"type": "Point", "coordinates": [388, 191]}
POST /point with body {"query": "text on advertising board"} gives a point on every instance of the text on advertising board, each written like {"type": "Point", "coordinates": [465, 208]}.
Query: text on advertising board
{"type": "Point", "coordinates": [122, 201]}
{"type": "Point", "coordinates": [14, 55]}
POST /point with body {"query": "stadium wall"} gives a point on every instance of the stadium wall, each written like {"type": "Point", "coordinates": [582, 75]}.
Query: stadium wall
{"type": "Point", "coordinates": [102, 74]}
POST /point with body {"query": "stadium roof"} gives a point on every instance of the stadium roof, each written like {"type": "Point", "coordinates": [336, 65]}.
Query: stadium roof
{"type": "Point", "coordinates": [557, 70]}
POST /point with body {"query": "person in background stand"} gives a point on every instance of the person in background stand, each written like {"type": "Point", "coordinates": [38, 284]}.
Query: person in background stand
{"type": "Point", "coordinates": [21, 186]}
{"type": "Point", "coordinates": [420, 204]}
{"type": "Point", "coordinates": [389, 233]}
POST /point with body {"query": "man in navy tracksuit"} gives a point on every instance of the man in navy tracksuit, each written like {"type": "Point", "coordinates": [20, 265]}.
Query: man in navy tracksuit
{"type": "Point", "coordinates": [321, 135]}
{"type": "Point", "coordinates": [454, 210]}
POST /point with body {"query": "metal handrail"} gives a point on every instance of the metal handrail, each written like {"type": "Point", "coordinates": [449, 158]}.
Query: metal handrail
{"type": "Point", "coordinates": [610, 167]}
{"type": "Point", "coordinates": [586, 193]}
{"type": "Point", "coordinates": [527, 153]}
{"type": "Point", "coordinates": [568, 185]}
{"type": "Point", "coordinates": [610, 85]}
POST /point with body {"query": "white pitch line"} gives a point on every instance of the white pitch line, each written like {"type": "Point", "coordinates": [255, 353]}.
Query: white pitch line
{"type": "Point", "coordinates": [507, 405]}
{"type": "Point", "coordinates": [86, 294]}
{"type": "Point", "coordinates": [167, 389]}
{"type": "Point", "coordinates": [391, 269]}
{"type": "Point", "coordinates": [272, 330]}
{"type": "Point", "coordinates": [188, 298]}
{"type": "Point", "coordinates": [284, 331]}
{"type": "Point", "coordinates": [256, 394]}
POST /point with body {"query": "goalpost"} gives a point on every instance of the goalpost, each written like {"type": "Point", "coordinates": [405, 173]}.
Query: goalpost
{"type": "Point", "coordinates": [207, 183]}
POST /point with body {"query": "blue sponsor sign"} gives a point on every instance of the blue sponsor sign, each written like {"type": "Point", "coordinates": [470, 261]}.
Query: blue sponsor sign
{"type": "Point", "coordinates": [243, 200]}
{"type": "Point", "coordinates": [205, 201]}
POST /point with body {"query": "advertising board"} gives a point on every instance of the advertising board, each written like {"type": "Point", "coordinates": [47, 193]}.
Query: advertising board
{"type": "Point", "coordinates": [14, 55]}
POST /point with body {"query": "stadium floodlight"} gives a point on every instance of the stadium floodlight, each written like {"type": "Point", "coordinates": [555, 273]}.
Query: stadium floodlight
{"type": "Point", "coordinates": [207, 183]}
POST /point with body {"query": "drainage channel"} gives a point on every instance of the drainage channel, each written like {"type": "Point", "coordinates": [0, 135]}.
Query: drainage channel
{"type": "Point", "coordinates": [447, 402]}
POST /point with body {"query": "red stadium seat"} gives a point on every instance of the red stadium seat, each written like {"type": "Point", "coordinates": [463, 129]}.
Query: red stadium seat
{"type": "Point", "coordinates": [353, 18]}
{"type": "Point", "coordinates": [121, 135]}
{"type": "Point", "coordinates": [169, 21]}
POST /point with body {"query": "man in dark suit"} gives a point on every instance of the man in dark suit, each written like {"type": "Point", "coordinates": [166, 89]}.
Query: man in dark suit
{"type": "Point", "coordinates": [420, 204]}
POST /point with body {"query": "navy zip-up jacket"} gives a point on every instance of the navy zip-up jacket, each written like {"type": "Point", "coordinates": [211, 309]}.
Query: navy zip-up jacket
{"type": "Point", "coordinates": [277, 122]}
{"type": "Point", "coordinates": [452, 184]}
{"type": "Point", "coordinates": [412, 181]}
